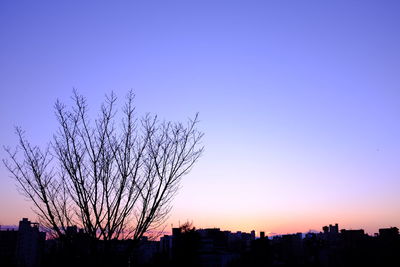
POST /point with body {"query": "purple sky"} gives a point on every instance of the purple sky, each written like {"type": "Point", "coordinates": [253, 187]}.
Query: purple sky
{"type": "Point", "coordinates": [299, 100]}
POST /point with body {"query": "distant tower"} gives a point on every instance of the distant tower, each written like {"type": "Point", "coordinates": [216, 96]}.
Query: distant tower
{"type": "Point", "coordinates": [253, 235]}
{"type": "Point", "coordinates": [30, 243]}
{"type": "Point", "coordinates": [336, 228]}
{"type": "Point", "coordinates": [262, 235]}
{"type": "Point", "coordinates": [325, 229]}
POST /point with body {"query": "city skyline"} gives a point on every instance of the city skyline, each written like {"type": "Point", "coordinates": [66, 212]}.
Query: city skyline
{"type": "Point", "coordinates": [186, 245]}
{"type": "Point", "coordinates": [299, 102]}
{"type": "Point", "coordinates": [157, 235]}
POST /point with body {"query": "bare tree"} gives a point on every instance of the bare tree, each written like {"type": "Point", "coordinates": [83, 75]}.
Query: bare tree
{"type": "Point", "coordinates": [113, 181]}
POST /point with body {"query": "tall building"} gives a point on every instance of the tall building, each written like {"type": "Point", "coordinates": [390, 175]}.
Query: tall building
{"type": "Point", "coordinates": [30, 244]}
{"type": "Point", "coordinates": [334, 229]}
{"type": "Point", "coordinates": [262, 235]}
{"type": "Point", "coordinates": [253, 235]}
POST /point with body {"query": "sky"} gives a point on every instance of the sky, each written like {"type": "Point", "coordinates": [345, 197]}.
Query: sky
{"type": "Point", "coordinates": [299, 100]}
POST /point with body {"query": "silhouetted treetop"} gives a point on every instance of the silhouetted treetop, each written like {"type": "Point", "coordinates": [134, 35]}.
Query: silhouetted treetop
{"type": "Point", "coordinates": [112, 180]}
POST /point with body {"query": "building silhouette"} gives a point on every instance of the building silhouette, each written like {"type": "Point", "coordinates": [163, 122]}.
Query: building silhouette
{"type": "Point", "coordinates": [23, 247]}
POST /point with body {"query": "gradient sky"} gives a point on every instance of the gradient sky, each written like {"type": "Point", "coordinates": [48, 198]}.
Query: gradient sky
{"type": "Point", "coordinates": [299, 100]}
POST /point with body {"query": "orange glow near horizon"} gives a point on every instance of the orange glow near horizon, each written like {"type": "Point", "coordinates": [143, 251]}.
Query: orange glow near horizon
{"type": "Point", "coordinates": [272, 224]}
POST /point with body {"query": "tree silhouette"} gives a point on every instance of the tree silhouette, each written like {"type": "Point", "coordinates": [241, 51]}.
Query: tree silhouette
{"type": "Point", "coordinates": [113, 182]}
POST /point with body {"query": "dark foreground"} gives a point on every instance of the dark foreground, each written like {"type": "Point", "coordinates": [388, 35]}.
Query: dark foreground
{"type": "Point", "coordinates": [187, 246]}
